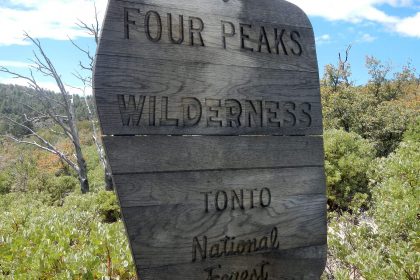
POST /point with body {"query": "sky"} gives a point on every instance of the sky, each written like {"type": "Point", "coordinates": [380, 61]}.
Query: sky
{"type": "Point", "coordinates": [386, 29]}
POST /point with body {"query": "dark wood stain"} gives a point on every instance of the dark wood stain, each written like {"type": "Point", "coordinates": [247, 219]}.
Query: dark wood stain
{"type": "Point", "coordinates": [212, 123]}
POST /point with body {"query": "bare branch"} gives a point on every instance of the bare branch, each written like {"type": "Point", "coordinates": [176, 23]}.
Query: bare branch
{"type": "Point", "coordinates": [92, 29]}
{"type": "Point", "coordinates": [47, 146]}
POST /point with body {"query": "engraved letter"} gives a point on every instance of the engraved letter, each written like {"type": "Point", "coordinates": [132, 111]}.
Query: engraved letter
{"type": "Point", "coordinates": [306, 114]}
{"type": "Point", "coordinates": [215, 251]}
{"type": "Point", "coordinates": [152, 110]}
{"type": "Point", "coordinates": [225, 34]}
{"type": "Point", "coordinates": [245, 37]}
{"type": "Point", "coordinates": [263, 276]}
{"type": "Point", "coordinates": [206, 200]}
{"type": "Point", "coordinates": [128, 22]}
{"type": "Point", "coordinates": [251, 196]}
{"type": "Point", "coordinates": [180, 28]}
{"type": "Point", "coordinates": [236, 198]}
{"type": "Point", "coordinates": [290, 121]}
{"type": "Point", "coordinates": [158, 26]}
{"type": "Point", "coordinates": [263, 37]}
{"type": "Point", "coordinates": [209, 270]}
{"type": "Point", "coordinates": [164, 120]}
{"type": "Point", "coordinates": [263, 245]}
{"type": "Point", "coordinates": [131, 112]}
{"type": "Point", "coordinates": [214, 110]}
{"type": "Point", "coordinates": [244, 275]}
{"type": "Point", "coordinates": [253, 113]}
{"type": "Point", "coordinates": [197, 30]}
{"type": "Point", "coordinates": [267, 190]}
{"type": "Point", "coordinates": [225, 201]}
{"type": "Point", "coordinates": [201, 249]}
{"type": "Point", "coordinates": [293, 36]}
{"type": "Point", "coordinates": [273, 239]}
{"type": "Point", "coordinates": [192, 111]}
{"type": "Point", "coordinates": [273, 111]}
{"type": "Point", "coordinates": [279, 40]}
{"type": "Point", "coordinates": [233, 113]}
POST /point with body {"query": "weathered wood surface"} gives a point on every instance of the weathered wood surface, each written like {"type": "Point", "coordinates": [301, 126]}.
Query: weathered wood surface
{"type": "Point", "coordinates": [164, 188]}
{"type": "Point", "coordinates": [283, 85]}
{"type": "Point", "coordinates": [214, 137]}
{"type": "Point", "coordinates": [291, 96]}
{"type": "Point", "coordinates": [175, 204]}
{"type": "Point", "coordinates": [298, 263]}
{"type": "Point", "coordinates": [142, 154]}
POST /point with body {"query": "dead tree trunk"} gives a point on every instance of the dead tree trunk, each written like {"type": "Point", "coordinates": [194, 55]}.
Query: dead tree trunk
{"type": "Point", "coordinates": [94, 30]}
{"type": "Point", "coordinates": [58, 108]}
{"type": "Point", "coordinates": [109, 183]}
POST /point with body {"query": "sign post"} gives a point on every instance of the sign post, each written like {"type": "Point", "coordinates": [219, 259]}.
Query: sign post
{"type": "Point", "coordinates": [211, 119]}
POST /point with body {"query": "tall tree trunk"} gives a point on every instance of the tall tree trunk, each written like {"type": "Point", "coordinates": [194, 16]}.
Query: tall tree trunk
{"type": "Point", "coordinates": [109, 183]}
{"type": "Point", "coordinates": [83, 178]}
{"type": "Point", "coordinates": [81, 162]}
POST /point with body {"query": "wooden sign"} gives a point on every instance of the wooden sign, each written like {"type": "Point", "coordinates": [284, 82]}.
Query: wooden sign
{"type": "Point", "coordinates": [211, 116]}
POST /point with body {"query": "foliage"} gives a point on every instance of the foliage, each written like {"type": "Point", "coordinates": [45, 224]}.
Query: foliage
{"type": "Point", "coordinates": [108, 206]}
{"type": "Point", "coordinates": [358, 110]}
{"type": "Point", "coordinates": [68, 242]}
{"type": "Point", "coordinates": [382, 243]}
{"type": "Point", "coordinates": [95, 169]}
{"type": "Point", "coordinates": [336, 77]}
{"type": "Point", "coordinates": [379, 111]}
{"type": "Point", "coordinates": [413, 131]}
{"type": "Point", "coordinates": [6, 182]}
{"type": "Point", "coordinates": [347, 157]}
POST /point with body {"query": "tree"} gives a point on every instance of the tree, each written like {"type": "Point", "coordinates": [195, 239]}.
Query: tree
{"type": "Point", "coordinates": [347, 158]}
{"type": "Point", "coordinates": [378, 76]}
{"type": "Point", "coordinates": [335, 76]}
{"type": "Point", "coordinates": [86, 79]}
{"type": "Point", "coordinates": [58, 108]}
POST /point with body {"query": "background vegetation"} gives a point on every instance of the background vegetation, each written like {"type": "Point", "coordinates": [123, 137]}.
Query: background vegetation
{"type": "Point", "coordinates": [49, 230]}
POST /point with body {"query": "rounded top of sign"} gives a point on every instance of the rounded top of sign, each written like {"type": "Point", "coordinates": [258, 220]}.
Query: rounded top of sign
{"type": "Point", "coordinates": [207, 67]}
{"type": "Point", "coordinates": [275, 11]}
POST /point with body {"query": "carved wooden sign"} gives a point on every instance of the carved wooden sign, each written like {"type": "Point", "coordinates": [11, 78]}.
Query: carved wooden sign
{"type": "Point", "coordinates": [211, 116]}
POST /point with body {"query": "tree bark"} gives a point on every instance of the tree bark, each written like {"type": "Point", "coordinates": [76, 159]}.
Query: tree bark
{"type": "Point", "coordinates": [109, 183]}
{"type": "Point", "coordinates": [68, 123]}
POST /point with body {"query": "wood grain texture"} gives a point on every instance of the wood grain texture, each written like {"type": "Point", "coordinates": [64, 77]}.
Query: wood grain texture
{"type": "Point", "coordinates": [279, 11]}
{"type": "Point", "coordinates": [298, 263]}
{"type": "Point", "coordinates": [142, 154]}
{"type": "Point", "coordinates": [212, 124]}
{"type": "Point", "coordinates": [158, 233]}
{"type": "Point", "coordinates": [164, 212]}
{"type": "Point", "coordinates": [239, 61]}
{"type": "Point", "coordinates": [154, 189]}
{"type": "Point", "coordinates": [291, 91]}
{"type": "Point", "coordinates": [213, 52]}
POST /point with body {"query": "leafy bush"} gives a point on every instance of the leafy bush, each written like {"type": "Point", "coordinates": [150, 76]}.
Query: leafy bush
{"type": "Point", "coordinates": [358, 110]}
{"type": "Point", "coordinates": [68, 242]}
{"type": "Point", "coordinates": [96, 173]}
{"type": "Point", "coordinates": [347, 158]}
{"type": "Point", "coordinates": [5, 182]}
{"type": "Point", "coordinates": [413, 131]}
{"type": "Point", "coordinates": [108, 206]}
{"type": "Point", "coordinates": [382, 243]}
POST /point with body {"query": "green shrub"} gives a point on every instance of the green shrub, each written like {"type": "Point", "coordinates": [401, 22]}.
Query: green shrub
{"type": "Point", "coordinates": [60, 187]}
{"type": "Point", "coordinates": [96, 172]}
{"type": "Point", "coordinates": [382, 243]}
{"type": "Point", "coordinates": [356, 109]}
{"type": "Point", "coordinates": [413, 131]}
{"type": "Point", "coordinates": [68, 242]}
{"type": "Point", "coordinates": [6, 182]}
{"type": "Point", "coordinates": [347, 158]}
{"type": "Point", "coordinates": [108, 206]}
